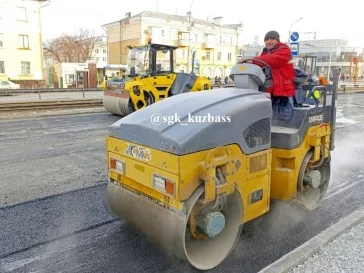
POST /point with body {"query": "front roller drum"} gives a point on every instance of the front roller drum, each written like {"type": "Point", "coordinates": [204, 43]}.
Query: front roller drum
{"type": "Point", "coordinates": [117, 105]}
{"type": "Point", "coordinates": [171, 232]}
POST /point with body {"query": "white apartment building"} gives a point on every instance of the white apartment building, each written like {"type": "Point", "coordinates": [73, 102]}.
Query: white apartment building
{"type": "Point", "coordinates": [21, 52]}
{"type": "Point", "coordinates": [99, 54]}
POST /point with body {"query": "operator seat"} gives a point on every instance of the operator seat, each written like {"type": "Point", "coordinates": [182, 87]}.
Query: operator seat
{"type": "Point", "coordinates": [285, 134]}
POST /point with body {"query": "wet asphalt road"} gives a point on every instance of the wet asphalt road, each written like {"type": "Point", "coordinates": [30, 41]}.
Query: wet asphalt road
{"type": "Point", "coordinates": [63, 152]}
{"type": "Point", "coordinates": [72, 232]}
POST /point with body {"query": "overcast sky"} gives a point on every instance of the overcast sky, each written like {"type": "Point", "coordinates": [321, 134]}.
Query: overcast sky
{"type": "Point", "coordinates": [330, 20]}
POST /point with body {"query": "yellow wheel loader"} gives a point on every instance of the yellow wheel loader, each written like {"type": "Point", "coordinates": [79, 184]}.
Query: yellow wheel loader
{"type": "Point", "coordinates": [152, 78]}
{"type": "Point", "coordinates": [188, 172]}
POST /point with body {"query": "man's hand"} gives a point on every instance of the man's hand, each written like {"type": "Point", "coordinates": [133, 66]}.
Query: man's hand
{"type": "Point", "coordinates": [245, 60]}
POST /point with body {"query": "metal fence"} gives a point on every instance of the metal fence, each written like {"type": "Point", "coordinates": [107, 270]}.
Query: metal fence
{"type": "Point", "coordinates": [40, 91]}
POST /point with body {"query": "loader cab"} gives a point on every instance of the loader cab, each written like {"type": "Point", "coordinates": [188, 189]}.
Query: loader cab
{"type": "Point", "coordinates": [151, 60]}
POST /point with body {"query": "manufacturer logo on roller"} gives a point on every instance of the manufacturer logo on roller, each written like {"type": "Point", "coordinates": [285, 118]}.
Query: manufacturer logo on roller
{"type": "Point", "coordinates": [138, 152]}
{"type": "Point", "coordinates": [315, 118]}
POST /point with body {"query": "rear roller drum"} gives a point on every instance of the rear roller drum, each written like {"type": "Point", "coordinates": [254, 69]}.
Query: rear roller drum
{"type": "Point", "coordinates": [202, 238]}
{"type": "Point", "coordinates": [313, 182]}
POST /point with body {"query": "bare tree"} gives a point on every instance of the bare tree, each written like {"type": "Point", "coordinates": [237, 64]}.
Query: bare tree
{"type": "Point", "coordinates": [71, 48]}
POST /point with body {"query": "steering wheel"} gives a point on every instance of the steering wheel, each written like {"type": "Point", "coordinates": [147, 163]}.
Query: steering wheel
{"type": "Point", "coordinates": [245, 61]}
{"type": "Point", "coordinates": [256, 60]}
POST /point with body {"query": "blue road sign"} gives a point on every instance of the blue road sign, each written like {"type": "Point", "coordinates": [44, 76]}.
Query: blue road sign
{"type": "Point", "coordinates": [294, 48]}
{"type": "Point", "coordinates": [294, 36]}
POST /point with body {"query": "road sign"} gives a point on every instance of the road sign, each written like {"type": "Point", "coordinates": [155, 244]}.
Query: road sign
{"type": "Point", "coordinates": [294, 36]}
{"type": "Point", "coordinates": [295, 49]}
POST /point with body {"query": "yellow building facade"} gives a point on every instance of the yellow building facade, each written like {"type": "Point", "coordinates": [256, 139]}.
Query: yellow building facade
{"type": "Point", "coordinates": [217, 46]}
{"type": "Point", "coordinates": [21, 52]}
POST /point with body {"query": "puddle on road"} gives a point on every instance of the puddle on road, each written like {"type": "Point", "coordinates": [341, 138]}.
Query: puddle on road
{"type": "Point", "coordinates": [341, 120]}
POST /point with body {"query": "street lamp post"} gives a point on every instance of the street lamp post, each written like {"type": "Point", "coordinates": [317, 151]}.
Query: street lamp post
{"type": "Point", "coordinates": [190, 24]}
{"type": "Point", "coordinates": [328, 72]}
{"type": "Point", "coordinates": [289, 34]}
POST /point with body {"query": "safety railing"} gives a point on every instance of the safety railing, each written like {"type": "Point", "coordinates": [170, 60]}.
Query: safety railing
{"type": "Point", "coordinates": [42, 91]}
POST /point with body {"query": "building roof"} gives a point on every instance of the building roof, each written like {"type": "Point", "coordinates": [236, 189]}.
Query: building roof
{"type": "Point", "coordinates": [180, 18]}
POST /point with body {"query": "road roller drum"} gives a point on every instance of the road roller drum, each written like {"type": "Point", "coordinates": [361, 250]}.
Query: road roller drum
{"type": "Point", "coordinates": [171, 231]}
{"type": "Point", "coordinates": [117, 105]}
{"type": "Point", "coordinates": [188, 187]}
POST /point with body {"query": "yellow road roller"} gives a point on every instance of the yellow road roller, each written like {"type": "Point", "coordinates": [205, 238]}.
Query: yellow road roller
{"type": "Point", "coordinates": [152, 77]}
{"type": "Point", "coordinates": [188, 172]}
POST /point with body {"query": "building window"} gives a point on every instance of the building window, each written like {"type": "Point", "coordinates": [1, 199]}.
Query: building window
{"type": "Point", "coordinates": [207, 55]}
{"type": "Point", "coordinates": [104, 59]}
{"type": "Point", "coordinates": [2, 67]}
{"type": "Point", "coordinates": [25, 68]}
{"type": "Point", "coordinates": [229, 56]}
{"type": "Point", "coordinates": [183, 36]}
{"type": "Point", "coordinates": [96, 50]}
{"type": "Point", "coordinates": [70, 79]}
{"type": "Point", "coordinates": [1, 40]}
{"type": "Point", "coordinates": [23, 41]}
{"type": "Point", "coordinates": [104, 51]}
{"type": "Point", "coordinates": [219, 56]}
{"type": "Point", "coordinates": [22, 14]}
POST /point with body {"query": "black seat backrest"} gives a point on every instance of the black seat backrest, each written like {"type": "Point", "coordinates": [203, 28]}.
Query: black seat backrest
{"type": "Point", "coordinates": [296, 120]}
{"type": "Point", "coordinates": [183, 83]}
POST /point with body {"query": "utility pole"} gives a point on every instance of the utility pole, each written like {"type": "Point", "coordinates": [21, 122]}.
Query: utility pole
{"type": "Point", "coordinates": [189, 37]}
{"type": "Point", "coordinates": [328, 72]}
{"type": "Point", "coordinates": [189, 41]}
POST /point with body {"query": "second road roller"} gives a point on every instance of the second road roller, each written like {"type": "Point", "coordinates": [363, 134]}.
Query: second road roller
{"type": "Point", "coordinates": [188, 172]}
{"type": "Point", "coordinates": [152, 77]}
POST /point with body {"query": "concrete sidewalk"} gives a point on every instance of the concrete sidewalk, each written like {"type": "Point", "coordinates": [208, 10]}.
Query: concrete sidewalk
{"type": "Point", "coordinates": [340, 248]}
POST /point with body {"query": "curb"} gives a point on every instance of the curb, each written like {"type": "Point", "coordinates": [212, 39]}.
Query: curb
{"type": "Point", "coordinates": [350, 92]}
{"type": "Point", "coordinates": [298, 256]}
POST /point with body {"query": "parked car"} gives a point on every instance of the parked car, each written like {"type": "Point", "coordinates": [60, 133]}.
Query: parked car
{"type": "Point", "coordinates": [8, 85]}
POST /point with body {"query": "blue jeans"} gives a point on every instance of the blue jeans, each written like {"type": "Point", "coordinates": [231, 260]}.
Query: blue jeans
{"type": "Point", "coordinates": [282, 107]}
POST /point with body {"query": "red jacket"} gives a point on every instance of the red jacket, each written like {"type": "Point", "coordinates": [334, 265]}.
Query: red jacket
{"type": "Point", "coordinates": [283, 73]}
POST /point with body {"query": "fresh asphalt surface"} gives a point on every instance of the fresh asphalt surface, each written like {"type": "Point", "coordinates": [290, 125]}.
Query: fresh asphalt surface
{"type": "Point", "coordinates": [72, 232]}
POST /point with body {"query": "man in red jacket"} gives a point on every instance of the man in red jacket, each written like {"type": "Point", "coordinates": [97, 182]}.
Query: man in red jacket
{"type": "Point", "coordinates": [279, 71]}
